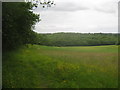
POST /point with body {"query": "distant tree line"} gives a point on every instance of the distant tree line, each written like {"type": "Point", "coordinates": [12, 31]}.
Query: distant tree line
{"type": "Point", "coordinates": [78, 39]}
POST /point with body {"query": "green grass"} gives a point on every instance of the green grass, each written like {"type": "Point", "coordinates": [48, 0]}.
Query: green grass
{"type": "Point", "coordinates": [61, 67]}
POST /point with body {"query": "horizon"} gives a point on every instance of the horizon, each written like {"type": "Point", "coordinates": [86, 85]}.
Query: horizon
{"type": "Point", "coordinates": [82, 32]}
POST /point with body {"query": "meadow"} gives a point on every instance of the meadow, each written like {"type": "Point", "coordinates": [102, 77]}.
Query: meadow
{"type": "Point", "coordinates": [38, 66]}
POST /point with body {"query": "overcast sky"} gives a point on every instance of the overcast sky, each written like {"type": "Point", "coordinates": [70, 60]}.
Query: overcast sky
{"type": "Point", "coordinates": [83, 16]}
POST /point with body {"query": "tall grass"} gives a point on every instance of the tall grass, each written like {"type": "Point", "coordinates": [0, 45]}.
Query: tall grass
{"type": "Point", "coordinates": [61, 67]}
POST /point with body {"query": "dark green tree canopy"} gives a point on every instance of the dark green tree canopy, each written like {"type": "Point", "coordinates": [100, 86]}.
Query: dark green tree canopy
{"type": "Point", "coordinates": [18, 21]}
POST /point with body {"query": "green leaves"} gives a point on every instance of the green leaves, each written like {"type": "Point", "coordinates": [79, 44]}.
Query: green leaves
{"type": "Point", "coordinates": [43, 3]}
{"type": "Point", "coordinates": [18, 21]}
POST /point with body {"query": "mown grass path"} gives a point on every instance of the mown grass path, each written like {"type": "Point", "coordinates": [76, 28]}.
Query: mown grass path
{"type": "Point", "coordinates": [61, 67]}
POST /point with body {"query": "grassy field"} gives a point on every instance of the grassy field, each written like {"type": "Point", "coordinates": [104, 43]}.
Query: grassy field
{"type": "Point", "coordinates": [61, 67]}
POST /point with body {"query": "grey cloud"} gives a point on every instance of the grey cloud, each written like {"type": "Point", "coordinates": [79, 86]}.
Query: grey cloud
{"type": "Point", "coordinates": [64, 6]}
{"type": "Point", "coordinates": [70, 6]}
{"type": "Point", "coordinates": [108, 7]}
{"type": "Point", "coordinates": [105, 10]}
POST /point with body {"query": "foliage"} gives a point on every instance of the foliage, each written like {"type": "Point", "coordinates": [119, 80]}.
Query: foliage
{"type": "Point", "coordinates": [43, 3]}
{"type": "Point", "coordinates": [78, 39]}
{"type": "Point", "coordinates": [18, 21]}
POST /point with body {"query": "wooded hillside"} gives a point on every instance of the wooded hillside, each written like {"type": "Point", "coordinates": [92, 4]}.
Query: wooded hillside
{"type": "Point", "coordinates": [78, 39]}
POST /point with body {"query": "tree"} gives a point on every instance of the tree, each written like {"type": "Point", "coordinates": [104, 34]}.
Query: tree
{"type": "Point", "coordinates": [17, 23]}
